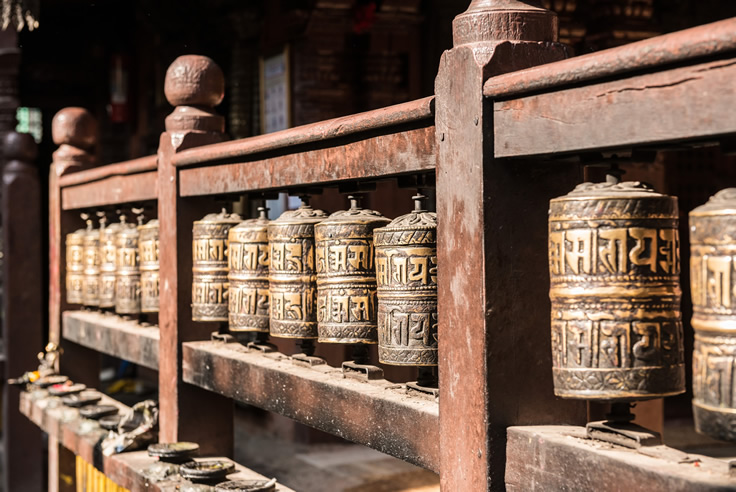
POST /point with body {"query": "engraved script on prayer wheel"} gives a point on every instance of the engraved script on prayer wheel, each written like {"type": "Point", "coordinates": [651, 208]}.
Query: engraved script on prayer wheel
{"type": "Point", "coordinates": [292, 275]}
{"type": "Point", "coordinates": [75, 266]}
{"type": "Point", "coordinates": [148, 254]}
{"type": "Point", "coordinates": [614, 287]}
{"type": "Point", "coordinates": [91, 279]}
{"type": "Point", "coordinates": [128, 274]}
{"type": "Point", "coordinates": [406, 272]}
{"type": "Point", "coordinates": [108, 263]}
{"type": "Point", "coordinates": [248, 277]}
{"type": "Point", "coordinates": [713, 286]}
{"type": "Point", "coordinates": [346, 275]}
{"type": "Point", "coordinates": [209, 270]}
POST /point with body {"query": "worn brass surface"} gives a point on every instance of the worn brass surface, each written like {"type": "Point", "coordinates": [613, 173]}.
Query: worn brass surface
{"type": "Point", "coordinates": [248, 275]}
{"type": "Point", "coordinates": [713, 289]}
{"type": "Point", "coordinates": [292, 275]}
{"type": "Point", "coordinates": [91, 279]}
{"type": "Point", "coordinates": [108, 263]}
{"type": "Point", "coordinates": [346, 275]}
{"type": "Point", "coordinates": [148, 255]}
{"type": "Point", "coordinates": [127, 274]}
{"type": "Point", "coordinates": [75, 266]}
{"type": "Point", "coordinates": [209, 270]}
{"type": "Point", "coordinates": [614, 273]}
{"type": "Point", "coordinates": [406, 274]}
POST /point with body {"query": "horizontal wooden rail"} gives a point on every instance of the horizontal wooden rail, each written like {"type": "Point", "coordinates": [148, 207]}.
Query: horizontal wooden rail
{"type": "Point", "coordinates": [134, 166]}
{"type": "Point", "coordinates": [561, 458]}
{"type": "Point", "coordinates": [379, 120]}
{"type": "Point", "coordinates": [676, 48]}
{"type": "Point", "coordinates": [113, 190]}
{"type": "Point", "coordinates": [82, 437]}
{"type": "Point", "coordinates": [377, 414]}
{"type": "Point", "coordinates": [640, 111]}
{"type": "Point", "coordinates": [113, 335]}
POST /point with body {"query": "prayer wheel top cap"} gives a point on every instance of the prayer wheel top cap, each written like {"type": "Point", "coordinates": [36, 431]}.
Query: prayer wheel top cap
{"type": "Point", "coordinates": [222, 217]}
{"type": "Point", "coordinates": [302, 215]}
{"type": "Point", "coordinates": [126, 228]}
{"type": "Point", "coordinates": [194, 80]}
{"type": "Point", "coordinates": [722, 203]}
{"type": "Point", "coordinates": [355, 215]}
{"type": "Point", "coordinates": [416, 219]}
{"type": "Point", "coordinates": [258, 223]}
{"type": "Point", "coordinates": [626, 189]}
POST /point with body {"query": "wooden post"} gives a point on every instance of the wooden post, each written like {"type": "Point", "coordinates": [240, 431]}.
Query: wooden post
{"type": "Point", "coordinates": [22, 306]}
{"type": "Point", "coordinates": [495, 366]}
{"type": "Point", "coordinates": [195, 85]}
{"type": "Point", "coordinates": [74, 130]}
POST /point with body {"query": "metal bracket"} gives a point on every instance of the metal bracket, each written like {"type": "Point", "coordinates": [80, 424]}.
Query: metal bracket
{"type": "Point", "coordinates": [425, 390]}
{"type": "Point", "coordinates": [264, 347]}
{"type": "Point", "coordinates": [307, 360]}
{"type": "Point", "coordinates": [216, 336]}
{"type": "Point", "coordinates": [361, 371]}
{"type": "Point", "coordinates": [623, 433]}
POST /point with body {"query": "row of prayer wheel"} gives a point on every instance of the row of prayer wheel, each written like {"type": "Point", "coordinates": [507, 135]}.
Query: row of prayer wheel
{"type": "Point", "coordinates": [115, 266]}
{"type": "Point", "coordinates": [616, 323]}
{"type": "Point", "coordinates": [353, 277]}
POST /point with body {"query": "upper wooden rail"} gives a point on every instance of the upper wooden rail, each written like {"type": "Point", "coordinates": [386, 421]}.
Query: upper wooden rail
{"type": "Point", "coordinates": [682, 46]}
{"type": "Point", "coordinates": [378, 120]}
{"type": "Point", "coordinates": [133, 166]}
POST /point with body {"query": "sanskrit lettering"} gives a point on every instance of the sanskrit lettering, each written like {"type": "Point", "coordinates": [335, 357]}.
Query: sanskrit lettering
{"type": "Point", "coordinates": [413, 267]}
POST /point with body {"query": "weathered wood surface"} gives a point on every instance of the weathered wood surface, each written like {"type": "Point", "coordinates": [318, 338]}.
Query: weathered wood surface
{"type": "Point", "coordinates": [691, 103]}
{"type": "Point", "coordinates": [367, 156]}
{"type": "Point", "coordinates": [541, 458]}
{"type": "Point", "coordinates": [133, 166]}
{"type": "Point", "coordinates": [111, 190]}
{"type": "Point", "coordinates": [113, 335]}
{"type": "Point", "coordinates": [82, 436]}
{"type": "Point", "coordinates": [378, 414]}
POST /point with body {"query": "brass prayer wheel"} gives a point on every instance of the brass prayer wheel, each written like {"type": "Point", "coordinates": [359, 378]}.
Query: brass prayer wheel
{"type": "Point", "coordinates": [248, 275]}
{"type": "Point", "coordinates": [128, 274]}
{"type": "Point", "coordinates": [406, 274]}
{"type": "Point", "coordinates": [75, 266]}
{"type": "Point", "coordinates": [148, 255]}
{"type": "Point", "coordinates": [291, 273]}
{"type": "Point", "coordinates": [108, 263]}
{"type": "Point", "coordinates": [346, 275]}
{"type": "Point", "coordinates": [614, 288]}
{"type": "Point", "coordinates": [91, 279]}
{"type": "Point", "coordinates": [713, 282]}
{"type": "Point", "coordinates": [209, 270]}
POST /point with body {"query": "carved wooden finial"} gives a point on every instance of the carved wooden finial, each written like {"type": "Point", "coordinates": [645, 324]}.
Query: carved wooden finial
{"type": "Point", "coordinates": [504, 20]}
{"type": "Point", "coordinates": [195, 85]}
{"type": "Point", "coordinates": [74, 130]}
{"type": "Point", "coordinates": [19, 147]}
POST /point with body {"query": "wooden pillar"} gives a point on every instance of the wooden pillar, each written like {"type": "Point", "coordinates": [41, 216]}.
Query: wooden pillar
{"type": "Point", "coordinates": [22, 306]}
{"type": "Point", "coordinates": [195, 85]}
{"type": "Point", "coordinates": [74, 130]}
{"type": "Point", "coordinates": [495, 366]}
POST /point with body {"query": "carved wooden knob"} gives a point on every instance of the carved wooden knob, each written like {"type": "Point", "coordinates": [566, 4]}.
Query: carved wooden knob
{"type": "Point", "coordinates": [75, 127]}
{"type": "Point", "coordinates": [194, 80]}
{"type": "Point", "coordinates": [19, 147]}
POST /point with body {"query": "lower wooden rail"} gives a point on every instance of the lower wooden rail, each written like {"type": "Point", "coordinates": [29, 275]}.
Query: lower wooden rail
{"type": "Point", "coordinates": [132, 470]}
{"type": "Point", "coordinates": [561, 458]}
{"type": "Point", "coordinates": [378, 414]}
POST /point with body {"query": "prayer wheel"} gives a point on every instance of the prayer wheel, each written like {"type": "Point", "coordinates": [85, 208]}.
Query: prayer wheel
{"type": "Point", "coordinates": [91, 279]}
{"type": "Point", "coordinates": [108, 263]}
{"type": "Point", "coordinates": [614, 288]}
{"type": "Point", "coordinates": [406, 274]}
{"type": "Point", "coordinates": [75, 266]}
{"type": "Point", "coordinates": [346, 275]}
{"type": "Point", "coordinates": [712, 260]}
{"type": "Point", "coordinates": [291, 273]}
{"type": "Point", "coordinates": [128, 274]}
{"type": "Point", "coordinates": [209, 270]}
{"type": "Point", "coordinates": [248, 275]}
{"type": "Point", "coordinates": [148, 255]}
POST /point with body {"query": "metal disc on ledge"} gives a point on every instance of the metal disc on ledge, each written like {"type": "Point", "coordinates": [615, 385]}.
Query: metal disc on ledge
{"type": "Point", "coordinates": [206, 470]}
{"type": "Point", "coordinates": [96, 412]}
{"type": "Point", "coordinates": [66, 389]}
{"type": "Point", "coordinates": [52, 380]}
{"type": "Point", "coordinates": [82, 399]}
{"type": "Point", "coordinates": [174, 452]}
{"type": "Point", "coordinates": [247, 486]}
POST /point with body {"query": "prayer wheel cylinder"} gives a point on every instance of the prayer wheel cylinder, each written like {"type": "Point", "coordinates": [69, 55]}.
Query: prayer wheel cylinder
{"type": "Point", "coordinates": [148, 254]}
{"type": "Point", "coordinates": [346, 275]}
{"type": "Point", "coordinates": [406, 274]}
{"type": "Point", "coordinates": [108, 263]}
{"type": "Point", "coordinates": [91, 279]}
{"type": "Point", "coordinates": [128, 273]}
{"type": "Point", "coordinates": [292, 275]}
{"type": "Point", "coordinates": [75, 266]}
{"type": "Point", "coordinates": [713, 282]}
{"type": "Point", "coordinates": [248, 275]}
{"type": "Point", "coordinates": [209, 270]}
{"type": "Point", "coordinates": [615, 293]}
